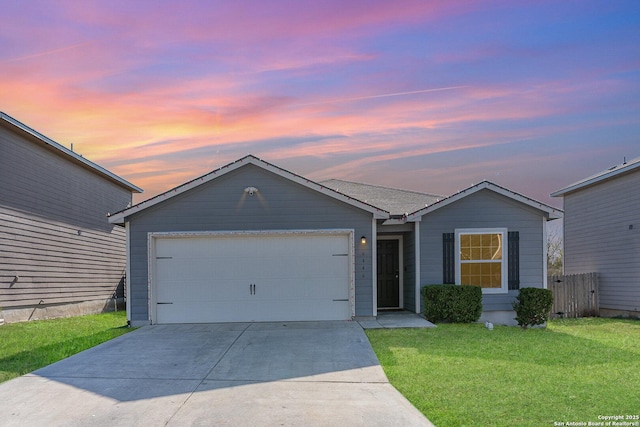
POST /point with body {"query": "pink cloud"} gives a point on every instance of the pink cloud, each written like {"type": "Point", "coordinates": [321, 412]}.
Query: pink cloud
{"type": "Point", "coordinates": [177, 114]}
{"type": "Point", "coordinates": [243, 21]}
{"type": "Point", "coordinates": [154, 82]}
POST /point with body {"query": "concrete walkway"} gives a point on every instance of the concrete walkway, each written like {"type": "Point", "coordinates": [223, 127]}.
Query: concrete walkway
{"type": "Point", "coordinates": [241, 374]}
{"type": "Point", "coordinates": [395, 320]}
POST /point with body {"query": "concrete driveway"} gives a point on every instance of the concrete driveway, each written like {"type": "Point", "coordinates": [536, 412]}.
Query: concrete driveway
{"type": "Point", "coordinates": [240, 374]}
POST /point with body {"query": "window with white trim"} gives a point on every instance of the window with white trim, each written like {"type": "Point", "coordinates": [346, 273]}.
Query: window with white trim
{"type": "Point", "coordinates": [481, 259]}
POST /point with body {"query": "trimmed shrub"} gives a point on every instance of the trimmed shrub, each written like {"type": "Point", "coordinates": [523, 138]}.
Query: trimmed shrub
{"type": "Point", "coordinates": [532, 306]}
{"type": "Point", "coordinates": [452, 303]}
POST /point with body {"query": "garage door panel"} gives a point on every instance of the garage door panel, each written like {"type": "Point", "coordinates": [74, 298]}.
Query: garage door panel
{"type": "Point", "coordinates": [224, 291]}
{"type": "Point", "coordinates": [231, 278]}
{"type": "Point", "coordinates": [306, 311]}
{"type": "Point", "coordinates": [198, 311]}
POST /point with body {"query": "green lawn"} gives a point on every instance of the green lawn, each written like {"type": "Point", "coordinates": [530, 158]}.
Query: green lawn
{"type": "Point", "coordinates": [27, 346]}
{"type": "Point", "coordinates": [465, 375]}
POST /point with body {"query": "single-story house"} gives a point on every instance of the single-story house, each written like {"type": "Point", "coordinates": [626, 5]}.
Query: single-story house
{"type": "Point", "coordinates": [59, 255]}
{"type": "Point", "coordinates": [254, 242]}
{"type": "Point", "coordinates": [602, 235]}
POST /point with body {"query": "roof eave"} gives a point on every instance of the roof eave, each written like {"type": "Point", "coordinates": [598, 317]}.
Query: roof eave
{"type": "Point", "coordinates": [70, 155]}
{"type": "Point", "coordinates": [551, 213]}
{"type": "Point", "coordinates": [120, 217]}
{"type": "Point", "coordinates": [598, 178]}
{"type": "Point", "coordinates": [395, 221]}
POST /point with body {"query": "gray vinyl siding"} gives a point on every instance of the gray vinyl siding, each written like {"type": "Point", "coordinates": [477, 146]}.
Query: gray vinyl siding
{"type": "Point", "coordinates": [597, 238]}
{"type": "Point", "coordinates": [485, 209]}
{"type": "Point", "coordinates": [54, 233]}
{"type": "Point", "coordinates": [409, 271]}
{"type": "Point", "coordinates": [221, 205]}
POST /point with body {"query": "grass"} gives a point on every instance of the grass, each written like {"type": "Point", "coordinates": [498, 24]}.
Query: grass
{"type": "Point", "coordinates": [465, 375]}
{"type": "Point", "coordinates": [25, 347]}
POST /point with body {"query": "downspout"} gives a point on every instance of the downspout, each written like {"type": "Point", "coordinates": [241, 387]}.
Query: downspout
{"type": "Point", "coordinates": [127, 279]}
{"type": "Point", "coordinates": [416, 233]}
{"type": "Point", "coordinates": [544, 253]}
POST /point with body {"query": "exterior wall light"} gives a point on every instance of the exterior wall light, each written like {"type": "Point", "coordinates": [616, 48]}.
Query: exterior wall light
{"type": "Point", "coordinates": [250, 190]}
{"type": "Point", "coordinates": [363, 240]}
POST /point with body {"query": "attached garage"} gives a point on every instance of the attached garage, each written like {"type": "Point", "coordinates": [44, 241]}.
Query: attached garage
{"type": "Point", "coordinates": [251, 276]}
{"type": "Point", "coordinates": [249, 242]}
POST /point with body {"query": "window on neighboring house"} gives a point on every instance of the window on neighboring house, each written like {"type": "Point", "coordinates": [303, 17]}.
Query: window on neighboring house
{"type": "Point", "coordinates": [481, 258]}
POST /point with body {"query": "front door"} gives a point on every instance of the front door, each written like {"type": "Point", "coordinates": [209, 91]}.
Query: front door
{"type": "Point", "coordinates": [388, 274]}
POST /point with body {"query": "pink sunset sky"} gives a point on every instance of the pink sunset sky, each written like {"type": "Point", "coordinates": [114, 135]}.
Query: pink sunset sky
{"type": "Point", "coordinates": [431, 96]}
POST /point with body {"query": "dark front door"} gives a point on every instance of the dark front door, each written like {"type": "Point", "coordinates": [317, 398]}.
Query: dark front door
{"type": "Point", "coordinates": [388, 274]}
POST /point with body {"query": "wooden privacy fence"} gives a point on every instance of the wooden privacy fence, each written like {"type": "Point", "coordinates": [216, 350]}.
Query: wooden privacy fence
{"type": "Point", "coordinates": [574, 295]}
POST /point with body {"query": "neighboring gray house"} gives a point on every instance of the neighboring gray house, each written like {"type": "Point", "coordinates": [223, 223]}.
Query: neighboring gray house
{"type": "Point", "coordinates": [59, 255]}
{"type": "Point", "coordinates": [254, 242]}
{"type": "Point", "coordinates": [602, 235]}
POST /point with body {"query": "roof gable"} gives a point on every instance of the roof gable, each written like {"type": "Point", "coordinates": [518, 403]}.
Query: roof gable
{"type": "Point", "coordinates": [551, 212]}
{"type": "Point", "coordinates": [610, 173]}
{"type": "Point", "coordinates": [119, 217]}
{"type": "Point", "coordinates": [64, 152]}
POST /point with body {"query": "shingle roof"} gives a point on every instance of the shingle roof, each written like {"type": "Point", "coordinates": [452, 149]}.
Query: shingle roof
{"type": "Point", "coordinates": [396, 202]}
{"type": "Point", "coordinates": [383, 202]}
{"type": "Point", "coordinates": [600, 176]}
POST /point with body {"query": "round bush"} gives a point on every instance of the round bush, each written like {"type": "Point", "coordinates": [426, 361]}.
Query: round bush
{"type": "Point", "coordinates": [532, 306]}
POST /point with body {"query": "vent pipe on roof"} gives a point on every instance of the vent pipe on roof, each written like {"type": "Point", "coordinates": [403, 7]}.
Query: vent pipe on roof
{"type": "Point", "coordinates": [72, 146]}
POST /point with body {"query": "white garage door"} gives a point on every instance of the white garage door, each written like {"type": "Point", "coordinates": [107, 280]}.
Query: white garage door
{"type": "Point", "coordinates": [251, 277]}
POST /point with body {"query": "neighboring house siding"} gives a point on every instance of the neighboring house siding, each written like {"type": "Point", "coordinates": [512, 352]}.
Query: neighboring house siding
{"type": "Point", "coordinates": [54, 234]}
{"type": "Point", "coordinates": [597, 238]}
{"type": "Point", "coordinates": [485, 209]}
{"type": "Point", "coordinates": [221, 205]}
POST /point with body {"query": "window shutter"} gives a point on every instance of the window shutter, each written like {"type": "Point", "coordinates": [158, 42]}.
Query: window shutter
{"type": "Point", "coordinates": [514, 260]}
{"type": "Point", "coordinates": [448, 258]}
